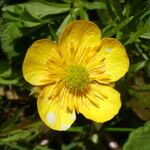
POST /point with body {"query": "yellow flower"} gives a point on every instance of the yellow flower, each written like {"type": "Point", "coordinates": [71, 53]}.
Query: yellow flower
{"type": "Point", "coordinates": [75, 75]}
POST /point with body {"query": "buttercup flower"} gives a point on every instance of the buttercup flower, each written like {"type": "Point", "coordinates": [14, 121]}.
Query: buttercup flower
{"type": "Point", "coordinates": [75, 75]}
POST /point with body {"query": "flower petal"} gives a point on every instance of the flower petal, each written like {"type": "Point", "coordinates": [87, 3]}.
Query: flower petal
{"type": "Point", "coordinates": [111, 62]}
{"type": "Point", "coordinates": [101, 104]}
{"type": "Point", "coordinates": [117, 62]}
{"type": "Point", "coordinates": [35, 64]}
{"type": "Point", "coordinates": [54, 111]}
{"type": "Point", "coordinates": [79, 39]}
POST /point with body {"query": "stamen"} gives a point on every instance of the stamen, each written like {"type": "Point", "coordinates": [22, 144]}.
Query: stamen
{"type": "Point", "coordinates": [77, 77]}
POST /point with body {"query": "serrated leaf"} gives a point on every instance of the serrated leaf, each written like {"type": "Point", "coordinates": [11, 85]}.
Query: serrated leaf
{"type": "Point", "coordinates": [139, 139]}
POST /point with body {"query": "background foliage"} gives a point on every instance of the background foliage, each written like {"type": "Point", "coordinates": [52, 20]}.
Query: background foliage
{"type": "Point", "coordinates": [24, 21]}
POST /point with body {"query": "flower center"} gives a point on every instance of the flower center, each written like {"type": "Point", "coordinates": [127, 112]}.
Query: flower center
{"type": "Point", "coordinates": [77, 77]}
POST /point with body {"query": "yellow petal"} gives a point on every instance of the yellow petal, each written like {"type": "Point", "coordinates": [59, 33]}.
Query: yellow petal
{"type": "Point", "coordinates": [101, 103]}
{"type": "Point", "coordinates": [79, 40]}
{"type": "Point", "coordinates": [117, 61]}
{"type": "Point", "coordinates": [53, 109]}
{"type": "Point", "coordinates": [35, 64]}
{"type": "Point", "coordinates": [111, 60]}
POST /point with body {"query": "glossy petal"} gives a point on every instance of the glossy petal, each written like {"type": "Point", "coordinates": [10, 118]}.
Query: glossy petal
{"type": "Point", "coordinates": [117, 62]}
{"type": "Point", "coordinates": [53, 110]}
{"type": "Point", "coordinates": [100, 104]}
{"type": "Point", "coordinates": [35, 66]}
{"type": "Point", "coordinates": [79, 41]}
{"type": "Point", "coordinates": [110, 63]}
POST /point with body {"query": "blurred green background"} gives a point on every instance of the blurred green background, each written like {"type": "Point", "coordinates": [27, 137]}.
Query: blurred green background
{"type": "Point", "coordinates": [24, 21]}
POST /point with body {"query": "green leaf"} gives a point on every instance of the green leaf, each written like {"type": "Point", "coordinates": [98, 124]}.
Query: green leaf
{"type": "Point", "coordinates": [139, 139]}
{"type": "Point", "coordinates": [9, 34]}
{"type": "Point", "coordinates": [146, 34]}
{"type": "Point", "coordinates": [69, 146]}
{"type": "Point", "coordinates": [134, 36]}
{"type": "Point", "coordinates": [4, 81]}
{"type": "Point", "coordinates": [134, 68]}
{"type": "Point", "coordinates": [13, 146]}
{"type": "Point", "coordinates": [21, 15]}
{"type": "Point", "coordinates": [117, 6]}
{"type": "Point", "coordinates": [20, 132]}
{"type": "Point", "coordinates": [38, 9]}
{"type": "Point", "coordinates": [5, 70]}
{"type": "Point", "coordinates": [84, 14]}
{"type": "Point", "coordinates": [66, 20]}
{"type": "Point", "coordinates": [93, 5]}
{"type": "Point", "coordinates": [110, 10]}
{"type": "Point", "coordinates": [147, 68]}
{"type": "Point", "coordinates": [11, 122]}
{"type": "Point", "coordinates": [19, 135]}
{"type": "Point", "coordinates": [116, 29]}
{"type": "Point", "coordinates": [140, 102]}
{"type": "Point", "coordinates": [63, 24]}
{"type": "Point", "coordinates": [38, 147]}
{"type": "Point", "coordinates": [75, 129]}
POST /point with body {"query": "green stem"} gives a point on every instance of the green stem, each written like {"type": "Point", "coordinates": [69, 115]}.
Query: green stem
{"type": "Point", "coordinates": [120, 129]}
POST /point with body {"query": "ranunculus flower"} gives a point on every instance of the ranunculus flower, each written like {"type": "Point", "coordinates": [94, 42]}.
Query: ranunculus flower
{"type": "Point", "coordinates": [75, 75]}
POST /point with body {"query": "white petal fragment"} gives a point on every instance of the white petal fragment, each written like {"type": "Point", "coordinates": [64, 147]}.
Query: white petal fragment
{"type": "Point", "coordinates": [108, 49]}
{"type": "Point", "coordinates": [65, 127]}
{"type": "Point", "coordinates": [51, 118]}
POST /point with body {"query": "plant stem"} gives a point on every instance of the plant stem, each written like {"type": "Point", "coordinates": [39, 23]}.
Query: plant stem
{"type": "Point", "coordinates": [119, 129]}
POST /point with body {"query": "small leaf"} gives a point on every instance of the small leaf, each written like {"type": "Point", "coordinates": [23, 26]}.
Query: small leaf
{"type": "Point", "coordinates": [67, 20]}
{"type": "Point", "coordinates": [140, 102]}
{"type": "Point", "coordinates": [70, 146]}
{"type": "Point", "coordinates": [113, 31]}
{"type": "Point", "coordinates": [5, 70]}
{"type": "Point", "coordinates": [142, 111]}
{"type": "Point", "coordinates": [117, 6]}
{"type": "Point", "coordinates": [134, 68]}
{"type": "Point", "coordinates": [84, 14]}
{"type": "Point", "coordinates": [63, 24]}
{"type": "Point", "coordinates": [134, 36]}
{"type": "Point", "coordinates": [93, 5]}
{"type": "Point", "coordinates": [75, 129]}
{"type": "Point", "coordinates": [146, 34]}
{"type": "Point", "coordinates": [4, 81]}
{"type": "Point", "coordinates": [38, 147]}
{"type": "Point", "coordinates": [8, 35]}
{"type": "Point", "coordinates": [139, 139]}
